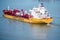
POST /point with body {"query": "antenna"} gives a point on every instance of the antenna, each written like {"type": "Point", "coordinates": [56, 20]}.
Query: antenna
{"type": "Point", "coordinates": [8, 7]}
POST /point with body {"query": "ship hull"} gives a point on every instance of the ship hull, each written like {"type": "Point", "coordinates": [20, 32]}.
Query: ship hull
{"type": "Point", "coordinates": [30, 20]}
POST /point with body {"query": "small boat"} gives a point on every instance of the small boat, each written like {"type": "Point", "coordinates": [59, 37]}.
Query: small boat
{"type": "Point", "coordinates": [36, 15]}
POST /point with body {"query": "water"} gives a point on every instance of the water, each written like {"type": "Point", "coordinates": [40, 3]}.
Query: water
{"type": "Point", "coordinates": [15, 30]}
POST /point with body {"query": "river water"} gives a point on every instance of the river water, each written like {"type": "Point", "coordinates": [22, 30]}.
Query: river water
{"type": "Point", "coordinates": [16, 30]}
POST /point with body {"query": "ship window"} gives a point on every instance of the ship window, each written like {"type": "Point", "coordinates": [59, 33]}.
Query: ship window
{"type": "Point", "coordinates": [44, 13]}
{"type": "Point", "coordinates": [37, 11]}
{"type": "Point", "coordinates": [41, 13]}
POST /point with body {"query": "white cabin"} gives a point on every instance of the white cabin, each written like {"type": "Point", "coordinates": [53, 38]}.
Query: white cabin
{"type": "Point", "coordinates": [39, 12]}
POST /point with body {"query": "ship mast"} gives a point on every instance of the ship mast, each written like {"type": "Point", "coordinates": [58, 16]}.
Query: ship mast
{"type": "Point", "coordinates": [8, 7]}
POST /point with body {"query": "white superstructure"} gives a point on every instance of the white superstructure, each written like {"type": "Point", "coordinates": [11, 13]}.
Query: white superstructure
{"type": "Point", "coordinates": [39, 12]}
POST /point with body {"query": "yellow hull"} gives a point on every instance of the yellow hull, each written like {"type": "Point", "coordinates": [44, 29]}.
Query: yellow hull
{"type": "Point", "coordinates": [30, 20]}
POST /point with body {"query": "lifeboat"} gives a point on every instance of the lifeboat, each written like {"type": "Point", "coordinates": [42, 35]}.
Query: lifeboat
{"type": "Point", "coordinates": [36, 15]}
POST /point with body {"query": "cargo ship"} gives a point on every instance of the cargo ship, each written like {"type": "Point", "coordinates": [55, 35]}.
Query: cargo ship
{"type": "Point", "coordinates": [35, 15]}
